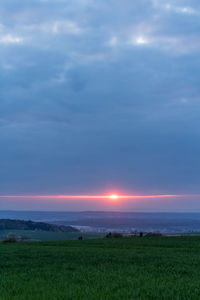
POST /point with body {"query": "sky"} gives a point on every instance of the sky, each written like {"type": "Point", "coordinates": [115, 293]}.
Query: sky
{"type": "Point", "coordinates": [99, 97]}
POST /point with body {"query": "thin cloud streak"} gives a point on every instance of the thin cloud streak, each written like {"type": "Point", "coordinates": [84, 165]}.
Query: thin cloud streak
{"type": "Point", "coordinates": [93, 196]}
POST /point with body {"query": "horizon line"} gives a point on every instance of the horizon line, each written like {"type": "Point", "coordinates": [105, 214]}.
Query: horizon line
{"type": "Point", "coordinates": [106, 196]}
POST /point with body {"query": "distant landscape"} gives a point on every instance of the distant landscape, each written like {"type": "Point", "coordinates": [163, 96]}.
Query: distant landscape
{"type": "Point", "coordinates": [30, 225]}
{"type": "Point", "coordinates": [102, 222]}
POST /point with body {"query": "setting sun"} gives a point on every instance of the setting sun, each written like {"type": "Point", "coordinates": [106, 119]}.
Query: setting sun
{"type": "Point", "coordinates": [114, 197]}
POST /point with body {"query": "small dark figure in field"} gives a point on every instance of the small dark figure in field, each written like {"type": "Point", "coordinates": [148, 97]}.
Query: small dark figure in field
{"type": "Point", "coordinates": [80, 238]}
{"type": "Point", "coordinates": [141, 234]}
{"type": "Point", "coordinates": [109, 235]}
{"type": "Point", "coordinates": [114, 235]}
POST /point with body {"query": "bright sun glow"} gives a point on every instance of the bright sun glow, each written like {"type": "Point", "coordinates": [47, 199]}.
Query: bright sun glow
{"type": "Point", "coordinates": [114, 197]}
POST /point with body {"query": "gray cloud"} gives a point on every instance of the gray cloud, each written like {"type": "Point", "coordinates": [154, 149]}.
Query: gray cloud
{"type": "Point", "coordinates": [94, 95]}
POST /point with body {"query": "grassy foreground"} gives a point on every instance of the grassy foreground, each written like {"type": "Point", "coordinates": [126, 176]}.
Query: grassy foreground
{"type": "Point", "coordinates": [128, 268]}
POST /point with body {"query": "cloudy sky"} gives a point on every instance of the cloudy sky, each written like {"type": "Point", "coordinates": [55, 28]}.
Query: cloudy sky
{"type": "Point", "coordinates": [99, 96]}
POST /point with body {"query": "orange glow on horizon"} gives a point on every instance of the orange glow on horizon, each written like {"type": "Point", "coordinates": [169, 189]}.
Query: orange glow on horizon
{"type": "Point", "coordinates": [106, 197]}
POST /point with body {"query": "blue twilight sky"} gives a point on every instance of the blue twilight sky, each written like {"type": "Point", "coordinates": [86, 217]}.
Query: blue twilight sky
{"type": "Point", "coordinates": [98, 96]}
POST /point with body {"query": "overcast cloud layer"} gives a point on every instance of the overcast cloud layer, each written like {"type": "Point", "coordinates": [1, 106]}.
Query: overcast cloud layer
{"type": "Point", "coordinates": [99, 95]}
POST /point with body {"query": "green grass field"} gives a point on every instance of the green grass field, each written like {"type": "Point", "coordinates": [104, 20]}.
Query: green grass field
{"type": "Point", "coordinates": [127, 268]}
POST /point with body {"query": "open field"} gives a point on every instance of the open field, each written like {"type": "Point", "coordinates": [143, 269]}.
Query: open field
{"type": "Point", "coordinates": [128, 268]}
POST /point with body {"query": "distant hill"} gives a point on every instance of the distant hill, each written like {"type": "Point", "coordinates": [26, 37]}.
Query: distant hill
{"type": "Point", "coordinates": [30, 225]}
